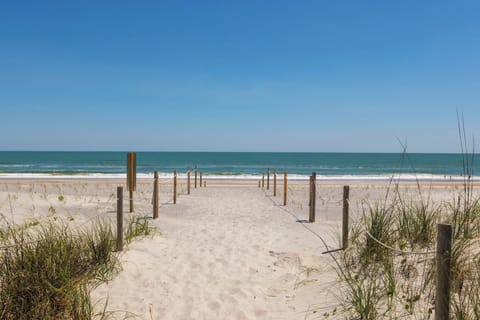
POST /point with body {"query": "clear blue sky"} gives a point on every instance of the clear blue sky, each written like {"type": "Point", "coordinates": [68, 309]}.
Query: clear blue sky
{"type": "Point", "coordinates": [238, 75]}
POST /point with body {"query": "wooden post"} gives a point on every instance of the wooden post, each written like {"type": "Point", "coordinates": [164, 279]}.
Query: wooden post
{"type": "Point", "coordinates": [174, 186]}
{"type": "Point", "coordinates": [201, 177]}
{"type": "Point", "coordinates": [205, 183]}
{"type": "Point", "coordinates": [188, 182]}
{"type": "Point", "coordinates": [346, 205]}
{"type": "Point", "coordinates": [119, 218]}
{"type": "Point", "coordinates": [130, 194]}
{"type": "Point", "coordinates": [443, 259]}
{"type": "Point", "coordinates": [196, 171]}
{"type": "Point", "coordinates": [268, 178]}
{"type": "Point", "coordinates": [263, 180]}
{"type": "Point", "coordinates": [285, 188]}
{"type": "Point", "coordinates": [259, 183]}
{"type": "Point", "coordinates": [131, 176]}
{"type": "Point", "coordinates": [309, 191]}
{"type": "Point", "coordinates": [274, 182]}
{"type": "Point", "coordinates": [155, 195]}
{"type": "Point", "coordinates": [313, 187]}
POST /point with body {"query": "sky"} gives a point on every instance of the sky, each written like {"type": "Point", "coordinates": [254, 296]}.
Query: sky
{"type": "Point", "coordinates": [313, 76]}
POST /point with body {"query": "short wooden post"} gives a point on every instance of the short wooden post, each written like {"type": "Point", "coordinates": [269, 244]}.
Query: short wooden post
{"type": "Point", "coordinates": [155, 195]}
{"type": "Point", "coordinates": [311, 216]}
{"type": "Point", "coordinates": [119, 218]}
{"type": "Point", "coordinates": [268, 178]}
{"type": "Point", "coordinates": [285, 188]}
{"type": "Point", "coordinates": [443, 259]}
{"type": "Point", "coordinates": [346, 205]}
{"type": "Point", "coordinates": [174, 186]}
{"type": "Point", "coordinates": [196, 171]}
{"type": "Point", "coordinates": [188, 182]}
{"type": "Point", "coordinates": [263, 180]}
{"type": "Point", "coordinates": [274, 182]}
{"type": "Point", "coordinates": [201, 176]}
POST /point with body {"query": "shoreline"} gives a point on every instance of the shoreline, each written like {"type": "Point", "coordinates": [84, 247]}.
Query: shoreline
{"type": "Point", "coordinates": [334, 179]}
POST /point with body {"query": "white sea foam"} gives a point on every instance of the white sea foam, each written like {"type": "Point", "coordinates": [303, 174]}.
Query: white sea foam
{"type": "Point", "coordinates": [248, 177]}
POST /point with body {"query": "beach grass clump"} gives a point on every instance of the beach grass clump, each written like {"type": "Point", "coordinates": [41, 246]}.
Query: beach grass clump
{"type": "Point", "coordinates": [379, 226]}
{"type": "Point", "coordinates": [364, 296]}
{"type": "Point", "coordinates": [416, 223]}
{"type": "Point", "coordinates": [46, 273]}
{"type": "Point", "coordinates": [138, 227]}
{"type": "Point", "coordinates": [465, 217]}
{"type": "Point", "coordinates": [465, 260]}
{"type": "Point", "coordinates": [361, 292]}
{"type": "Point", "coordinates": [466, 302]}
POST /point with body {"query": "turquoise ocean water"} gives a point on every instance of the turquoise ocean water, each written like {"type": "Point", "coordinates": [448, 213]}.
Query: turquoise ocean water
{"type": "Point", "coordinates": [241, 165]}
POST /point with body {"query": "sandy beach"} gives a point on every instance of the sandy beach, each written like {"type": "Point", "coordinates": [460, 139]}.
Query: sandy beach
{"type": "Point", "coordinates": [227, 251]}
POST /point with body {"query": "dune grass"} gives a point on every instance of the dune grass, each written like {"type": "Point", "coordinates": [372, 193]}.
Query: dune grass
{"type": "Point", "coordinates": [47, 271]}
{"type": "Point", "coordinates": [396, 278]}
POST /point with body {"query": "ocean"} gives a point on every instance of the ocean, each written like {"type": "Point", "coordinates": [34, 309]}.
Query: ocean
{"type": "Point", "coordinates": [234, 165]}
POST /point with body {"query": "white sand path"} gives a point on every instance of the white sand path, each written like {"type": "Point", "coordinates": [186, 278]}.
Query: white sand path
{"type": "Point", "coordinates": [226, 253]}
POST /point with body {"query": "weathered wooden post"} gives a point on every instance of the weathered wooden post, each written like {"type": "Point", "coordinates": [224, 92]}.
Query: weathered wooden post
{"type": "Point", "coordinates": [263, 180]}
{"type": "Point", "coordinates": [346, 205]}
{"type": "Point", "coordinates": [174, 186]}
{"type": "Point", "coordinates": [274, 182]}
{"type": "Point", "coordinates": [268, 178]}
{"type": "Point", "coordinates": [443, 260]}
{"type": "Point", "coordinates": [311, 216]}
{"type": "Point", "coordinates": [201, 176]}
{"type": "Point", "coordinates": [155, 195]}
{"type": "Point", "coordinates": [131, 176]}
{"type": "Point", "coordinates": [309, 192]}
{"type": "Point", "coordinates": [119, 218]}
{"type": "Point", "coordinates": [196, 172]}
{"type": "Point", "coordinates": [188, 182]}
{"type": "Point", "coordinates": [285, 188]}
{"type": "Point", "coordinates": [259, 183]}
{"type": "Point", "coordinates": [205, 183]}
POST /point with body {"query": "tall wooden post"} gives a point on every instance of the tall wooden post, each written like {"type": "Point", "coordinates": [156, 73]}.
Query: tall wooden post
{"type": "Point", "coordinates": [346, 205]}
{"type": "Point", "coordinates": [268, 178]}
{"type": "Point", "coordinates": [263, 180]}
{"type": "Point", "coordinates": [119, 218]}
{"type": "Point", "coordinates": [174, 186]}
{"type": "Point", "coordinates": [313, 187]}
{"type": "Point", "coordinates": [443, 260]}
{"type": "Point", "coordinates": [309, 192]}
{"type": "Point", "coordinates": [188, 182]}
{"type": "Point", "coordinates": [131, 176]}
{"type": "Point", "coordinates": [201, 177]}
{"type": "Point", "coordinates": [285, 187]}
{"type": "Point", "coordinates": [274, 182]}
{"type": "Point", "coordinates": [196, 171]}
{"type": "Point", "coordinates": [155, 195]}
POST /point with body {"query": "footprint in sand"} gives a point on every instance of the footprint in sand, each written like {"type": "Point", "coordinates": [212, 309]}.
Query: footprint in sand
{"type": "Point", "coordinates": [289, 261]}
